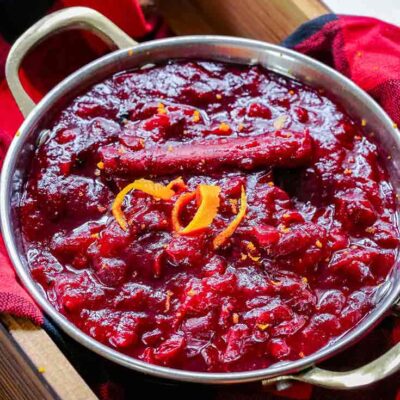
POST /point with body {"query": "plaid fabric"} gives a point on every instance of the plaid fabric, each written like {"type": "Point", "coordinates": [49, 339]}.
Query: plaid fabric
{"type": "Point", "coordinates": [365, 49]}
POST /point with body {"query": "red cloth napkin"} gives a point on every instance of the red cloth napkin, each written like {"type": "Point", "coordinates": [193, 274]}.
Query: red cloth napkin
{"type": "Point", "coordinates": [365, 49]}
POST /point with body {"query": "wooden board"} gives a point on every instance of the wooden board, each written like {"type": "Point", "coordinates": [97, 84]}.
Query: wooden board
{"type": "Point", "coordinates": [41, 369]}
{"type": "Point", "coordinates": [17, 373]}
{"type": "Point", "coordinates": [268, 20]}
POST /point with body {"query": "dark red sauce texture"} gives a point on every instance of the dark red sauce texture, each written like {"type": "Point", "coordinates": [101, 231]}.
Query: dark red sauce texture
{"type": "Point", "coordinates": [302, 268]}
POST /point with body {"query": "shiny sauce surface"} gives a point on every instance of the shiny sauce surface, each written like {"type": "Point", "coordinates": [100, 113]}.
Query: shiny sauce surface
{"type": "Point", "coordinates": [305, 216]}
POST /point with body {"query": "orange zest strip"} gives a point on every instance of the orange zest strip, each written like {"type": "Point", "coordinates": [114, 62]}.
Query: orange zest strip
{"type": "Point", "coordinates": [157, 190]}
{"type": "Point", "coordinates": [208, 196]}
{"type": "Point", "coordinates": [220, 239]}
{"type": "Point", "coordinates": [183, 199]}
{"type": "Point", "coordinates": [177, 183]}
{"type": "Point", "coordinates": [117, 207]}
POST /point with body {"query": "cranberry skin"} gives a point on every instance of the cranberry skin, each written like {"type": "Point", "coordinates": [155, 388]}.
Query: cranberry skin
{"type": "Point", "coordinates": [331, 301]}
{"type": "Point", "coordinates": [134, 296]}
{"type": "Point", "coordinates": [130, 139]}
{"type": "Point", "coordinates": [185, 250]}
{"type": "Point", "coordinates": [318, 332]}
{"type": "Point", "coordinates": [66, 136]}
{"type": "Point", "coordinates": [383, 263]}
{"type": "Point", "coordinates": [126, 331]}
{"type": "Point", "coordinates": [88, 108]}
{"type": "Point", "coordinates": [111, 240]}
{"type": "Point", "coordinates": [110, 271]}
{"type": "Point", "coordinates": [35, 221]}
{"type": "Point", "coordinates": [235, 342]}
{"type": "Point", "coordinates": [278, 348]}
{"type": "Point", "coordinates": [347, 131]}
{"type": "Point", "coordinates": [266, 236]}
{"type": "Point", "coordinates": [44, 268]}
{"type": "Point", "coordinates": [233, 186]}
{"type": "Point", "coordinates": [354, 210]}
{"type": "Point", "coordinates": [259, 110]}
{"type": "Point", "coordinates": [222, 283]}
{"type": "Point", "coordinates": [152, 338]}
{"type": "Point", "coordinates": [210, 355]}
{"type": "Point", "coordinates": [70, 196]}
{"type": "Point", "coordinates": [159, 121]}
{"type": "Point", "coordinates": [357, 304]}
{"type": "Point", "coordinates": [76, 292]}
{"type": "Point", "coordinates": [148, 355]}
{"type": "Point", "coordinates": [354, 265]}
{"type": "Point", "coordinates": [298, 238]}
{"type": "Point", "coordinates": [384, 234]}
{"type": "Point", "coordinates": [123, 339]}
{"type": "Point", "coordinates": [289, 217]}
{"type": "Point", "coordinates": [289, 327]}
{"type": "Point", "coordinates": [338, 240]}
{"type": "Point", "coordinates": [216, 265]}
{"type": "Point", "coordinates": [169, 349]}
{"type": "Point", "coordinates": [302, 114]}
{"type": "Point", "coordinates": [74, 243]}
{"type": "Point", "coordinates": [198, 325]}
{"type": "Point", "coordinates": [273, 313]}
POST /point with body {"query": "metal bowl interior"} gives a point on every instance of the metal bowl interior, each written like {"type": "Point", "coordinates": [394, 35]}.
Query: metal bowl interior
{"type": "Point", "coordinates": [228, 49]}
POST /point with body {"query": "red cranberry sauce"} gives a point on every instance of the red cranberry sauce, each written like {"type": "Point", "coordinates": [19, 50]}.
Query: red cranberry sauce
{"type": "Point", "coordinates": [301, 268]}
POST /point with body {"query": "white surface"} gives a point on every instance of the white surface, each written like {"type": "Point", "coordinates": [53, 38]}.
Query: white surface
{"type": "Point", "coordinates": [387, 10]}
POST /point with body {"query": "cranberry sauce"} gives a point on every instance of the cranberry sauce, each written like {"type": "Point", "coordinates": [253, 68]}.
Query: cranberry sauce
{"type": "Point", "coordinates": [295, 192]}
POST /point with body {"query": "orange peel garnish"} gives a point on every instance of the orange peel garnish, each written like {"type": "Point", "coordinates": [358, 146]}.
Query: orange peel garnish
{"type": "Point", "coordinates": [183, 199]}
{"type": "Point", "coordinates": [208, 197]}
{"type": "Point", "coordinates": [157, 190]}
{"type": "Point", "coordinates": [208, 201]}
{"type": "Point", "coordinates": [220, 239]}
{"type": "Point", "coordinates": [178, 183]}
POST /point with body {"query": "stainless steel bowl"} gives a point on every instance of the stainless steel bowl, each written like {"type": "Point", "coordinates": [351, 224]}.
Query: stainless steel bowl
{"type": "Point", "coordinates": [229, 49]}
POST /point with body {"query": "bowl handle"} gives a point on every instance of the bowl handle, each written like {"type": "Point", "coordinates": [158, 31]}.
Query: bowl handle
{"type": "Point", "coordinates": [376, 370]}
{"type": "Point", "coordinates": [68, 18]}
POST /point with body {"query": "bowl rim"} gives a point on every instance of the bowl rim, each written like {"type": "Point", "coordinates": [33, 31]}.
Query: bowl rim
{"type": "Point", "coordinates": [68, 327]}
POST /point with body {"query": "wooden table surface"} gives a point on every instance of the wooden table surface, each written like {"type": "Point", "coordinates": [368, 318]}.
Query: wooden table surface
{"type": "Point", "coordinates": [269, 20]}
{"type": "Point", "coordinates": [31, 366]}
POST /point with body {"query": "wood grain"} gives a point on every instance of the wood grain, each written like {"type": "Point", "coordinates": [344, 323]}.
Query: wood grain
{"type": "Point", "coordinates": [17, 374]}
{"type": "Point", "coordinates": [268, 20]}
{"type": "Point", "coordinates": [45, 356]}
